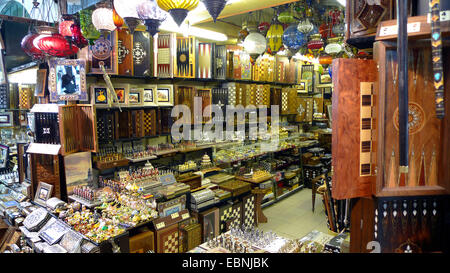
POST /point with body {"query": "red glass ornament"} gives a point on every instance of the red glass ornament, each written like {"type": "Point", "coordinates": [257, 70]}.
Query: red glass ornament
{"type": "Point", "coordinates": [118, 21]}
{"type": "Point", "coordinates": [29, 48]}
{"type": "Point", "coordinates": [55, 45]}
{"type": "Point", "coordinates": [65, 24]}
{"type": "Point", "coordinates": [263, 27]}
{"type": "Point", "coordinates": [315, 44]}
{"type": "Point", "coordinates": [77, 37]}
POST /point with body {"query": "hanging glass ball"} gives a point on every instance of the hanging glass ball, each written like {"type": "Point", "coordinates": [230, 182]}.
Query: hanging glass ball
{"type": "Point", "coordinates": [149, 9]}
{"type": "Point", "coordinates": [293, 39]}
{"type": "Point", "coordinates": [65, 24]}
{"type": "Point", "coordinates": [255, 44]}
{"type": "Point", "coordinates": [316, 42]}
{"type": "Point", "coordinates": [286, 17]}
{"type": "Point", "coordinates": [102, 19]}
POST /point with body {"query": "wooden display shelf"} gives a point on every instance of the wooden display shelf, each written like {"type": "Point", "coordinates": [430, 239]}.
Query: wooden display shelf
{"type": "Point", "coordinates": [166, 152]}
{"type": "Point", "coordinates": [111, 164]}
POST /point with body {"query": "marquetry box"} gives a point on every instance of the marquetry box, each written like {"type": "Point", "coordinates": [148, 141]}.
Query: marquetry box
{"type": "Point", "coordinates": [165, 120]}
{"type": "Point", "coordinates": [276, 97]}
{"type": "Point", "coordinates": [77, 128]}
{"type": "Point", "coordinates": [205, 95]}
{"type": "Point", "coordinates": [191, 237]}
{"type": "Point", "coordinates": [150, 122]}
{"type": "Point", "coordinates": [220, 98]}
{"type": "Point", "coordinates": [142, 242]}
{"type": "Point", "coordinates": [184, 95]}
{"type": "Point", "coordinates": [193, 180]}
{"type": "Point", "coordinates": [165, 46]}
{"type": "Point", "coordinates": [143, 53]}
{"type": "Point", "coordinates": [123, 124]}
{"type": "Point", "coordinates": [104, 51]}
{"type": "Point", "coordinates": [205, 60]}
{"type": "Point", "coordinates": [4, 96]}
{"type": "Point", "coordinates": [125, 52]}
{"type": "Point", "coordinates": [429, 137]}
{"type": "Point", "coordinates": [25, 97]}
{"type": "Point", "coordinates": [220, 178]}
{"type": "Point", "coordinates": [137, 123]}
{"type": "Point", "coordinates": [167, 232]}
{"type": "Point", "coordinates": [281, 64]}
{"type": "Point", "coordinates": [364, 18]}
{"type": "Point", "coordinates": [105, 126]}
{"type": "Point", "coordinates": [186, 57]}
{"type": "Point", "coordinates": [236, 187]}
{"type": "Point", "coordinates": [246, 66]}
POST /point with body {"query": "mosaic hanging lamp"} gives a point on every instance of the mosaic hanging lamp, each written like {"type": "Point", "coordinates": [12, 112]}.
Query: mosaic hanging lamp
{"type": "Point", "coordinates": [316, 44]}
{"type": "Point", "coordinates": [275, 36]}
{"type": "Point", "coordinates": [286, 17]}
{"type": "Point", "coordinates": [255, 44]}
{"type": "Point", "coordinates": [102, 18]}
{"type": "Point", "coordinates": [214, 7]}
{"type": "Point", "coordinates": [152, 15]}
{"type": "Point", "coordinates": [29, 48]}
{"type": "Point", "coordinates": [127, 9]}
{"type": "Point", "coordinates": [305, 26]}
{"type": "Point", "coordinates": [293, 39]}
{"type": "Point", "coordinates": [334, 46]}
{"type": "Point", "coordinates": [178, 9]}
{"type": "Point", "coordinates": [52, 43]}
{"type": "Point", "coordinates": [64, 26]}
{"type": "Point", "coordinates": [263, 28]}
{"type": "Point", "coordinates": [77, 37]}
{"type": "Point", "coordinates": [87, 28]}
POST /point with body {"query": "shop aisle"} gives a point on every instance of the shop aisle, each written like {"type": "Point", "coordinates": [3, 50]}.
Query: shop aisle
{"type": "Point", "coordinates": [293, 217]}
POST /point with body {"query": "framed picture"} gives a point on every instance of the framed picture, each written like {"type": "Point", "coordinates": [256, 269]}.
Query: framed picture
{"type": "Point", "coordinates": [43, 193]}
{"type": "Point", "coordinates": [122, 94]}
{"type": "Point", "coordinates": [78, 170]}
{"type": "Point", "coordinates": [104, 52]}
{"type": "Point", "coordinates": [67, 80]}
{"type": "Point", "coordinates": [308, 75]}
{"type": "Point", "coordinates": [149, 95]}
{"type": "Point", "coordinates": [302, 87]}
{"type": "Point", "coordinates": [99, 95]}
{"type": "Point", "coordinates": [6, 119]}
{"type": "Point", "coordinates": [210, 223]}
{"type": "Point", "coordinates": [164, 95]}
{"type": "Point", "coordinates": [41, 83]}
{"type": "Point", "coordinates": [135, 96]}
{"type": "Point", "coordinates": [4, 156]}
{"type": "Point", "coordinates": [325, 79]}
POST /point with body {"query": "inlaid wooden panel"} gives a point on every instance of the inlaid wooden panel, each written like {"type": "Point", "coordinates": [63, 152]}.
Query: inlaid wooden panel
{"type": "Point", "coordinates": [428, 136]}
{"type": "Point", "coordinates": [125, 52]}
{"type": "Point", "coordinates": [347, 77]}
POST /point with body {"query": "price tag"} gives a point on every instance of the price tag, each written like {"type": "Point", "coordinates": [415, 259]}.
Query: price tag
{"type": "Point", "coordinates": [185, 216]}
{"type": "Point", "coordinates": [160, 225]}
{"type": "Point", "coordinates": [445, 16]}
{"type": "Point", "coordinates": [393, 30]}
{"type": "Point", "coordinates": [174, 215]}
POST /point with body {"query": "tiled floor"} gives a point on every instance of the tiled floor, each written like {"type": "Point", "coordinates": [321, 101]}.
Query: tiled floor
{"type": "Point", "coordinates": [293, 217]}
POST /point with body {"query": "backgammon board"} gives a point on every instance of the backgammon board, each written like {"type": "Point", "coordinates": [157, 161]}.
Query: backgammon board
{"type": "Point", "coordinates": [220, 62]}
{"type": "Point", "coordinates": [220, 98]}
{"type": "Point", "coordinates": [185, 96]}
{"type": "Point", "coordinates": [205, 58]}
{"type": "Point", "coordinates": [364, 18]}
{"type": "Point", "coordinates": [185, 64]}
{"type": "Point", "coordinates": [429, 144]}
{"type": "Point", "coordinates": [165, 46]}
{"type": "Point", "coordinates": [205, 94]}
{"type": "Point", "coordinates": [150, 122]}
{"type": "Point", "coordinates": [105, 126]}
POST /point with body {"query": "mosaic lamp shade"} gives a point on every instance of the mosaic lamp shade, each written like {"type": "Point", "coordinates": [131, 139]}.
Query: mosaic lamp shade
{"type": "Point", "coordinates": [118, 21]}
{"type": "Point", "coordinates": [178, 9]}
{"type": "Point", "coordinates": [215, 7]}
{"type": "Point", "coordinates": [127, 9]}
{"type": "Point", "coordinates": [293, 39]}
{"type": "Point", "coordinates": [275, 37]}
{"type": "Point", "coordinates": [65, 24]}
{"type": "Point", "coordinates": [152, 15]}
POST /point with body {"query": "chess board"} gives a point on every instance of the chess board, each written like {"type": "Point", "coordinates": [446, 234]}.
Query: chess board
{"type": "Point", "coordinates": [236, 216]}
{"type": "Point", "coordinates": [149, 122]}
{"type": "Point", "coordinates": [249, 213]}
{"type": "Point", "coordinates": [225, 214]}
{"type": "Point", "coordinates": [284, 101]}
{"type": "Point", "coordinates": [167, 239]}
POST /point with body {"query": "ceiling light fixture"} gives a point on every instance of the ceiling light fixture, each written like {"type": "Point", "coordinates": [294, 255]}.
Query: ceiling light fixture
{"type": "Point", "coordinates": [178, 9]}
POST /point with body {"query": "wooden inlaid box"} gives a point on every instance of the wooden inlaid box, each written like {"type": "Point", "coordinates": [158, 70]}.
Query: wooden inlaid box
{"type": "Point", "coordinates": [142, 242]}
{"type": "Point", "coordinates": [348, 181]}
{"type": "Point", "coordinates": [142, 53]}
{"type": "Point", "coordinates": [236, 187]}
{"type": "Point", "coordinates": [220, 62]}
{"type": "Point", "coordinates": [125, 52]}
{"type": "Point", "coordinates": [429, 137]}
